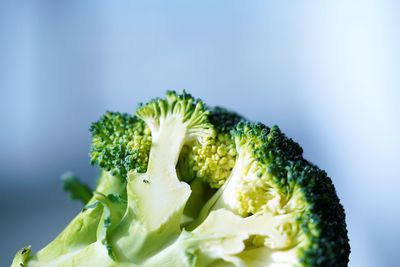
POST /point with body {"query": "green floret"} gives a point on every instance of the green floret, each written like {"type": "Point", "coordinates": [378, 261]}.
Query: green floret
{"type": "Point", "coordinates": [295, 186]}
{"type": "Point", "coordinates": [324, 220]}
{"type": "Point", "coordinates": [270, 177]}
{"type": "Point", "coordinates": [264, 187]}
{"type": "Point", "coordinates": [224, 120]}
{"type": "Point", "coordinates": [120, 143]}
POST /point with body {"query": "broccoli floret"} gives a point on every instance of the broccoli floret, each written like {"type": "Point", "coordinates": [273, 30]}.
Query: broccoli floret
{"type": "Point", "coordinates": [120, 143]}
{"type": "Point", "coordinates": [271, 178]}
{"type": "Point", "coordinates": [263, 155]}
{"type": "Point", "coordinates": [206, 166]}
{"type": "Point", "coordinates": [175, 121]}
{"type": "Point", "coordinates": [212, 161]}
{"type": "Point", "coordinates": [183, 184]}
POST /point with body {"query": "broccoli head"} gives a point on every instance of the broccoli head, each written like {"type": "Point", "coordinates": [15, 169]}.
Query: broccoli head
{"type": "Point", "coordinates": [183, 184]}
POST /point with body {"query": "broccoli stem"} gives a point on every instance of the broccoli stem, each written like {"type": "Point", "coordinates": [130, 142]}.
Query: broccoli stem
{"type": "Point", "coordinates": [82, 229]}
{"type": "Point", "coordinates": [172, 256]}
{"type": "Point", "coordinates": [215, 240]}
{"type": "Point", "coordinates": [155, 222]}
{"type": "Point", "coordinates": [161, 178]}
{"type": "Point", "coordinates": [225, 196]}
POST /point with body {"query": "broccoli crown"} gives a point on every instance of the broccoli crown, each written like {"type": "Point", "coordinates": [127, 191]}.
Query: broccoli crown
{"type": "Point", "coordinates": [189, 110]}
{"type": "Point", "coordinates": [120, 143]}
{"type": "Point", "coordinates": [277, 180]}
{"type": "Point", "coordinates": [184, 184]}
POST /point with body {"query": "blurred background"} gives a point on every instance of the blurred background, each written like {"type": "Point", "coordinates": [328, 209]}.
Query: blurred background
{"type": "Point", "coordinates": [327, 72]}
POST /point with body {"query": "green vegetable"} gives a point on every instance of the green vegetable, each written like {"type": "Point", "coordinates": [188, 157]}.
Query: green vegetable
{"type": "Point", "coordinates": [183, 184]}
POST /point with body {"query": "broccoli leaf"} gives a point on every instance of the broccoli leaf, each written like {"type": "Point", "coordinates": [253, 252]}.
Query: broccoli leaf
{"type": "Point", "coordinates": [76, 189]}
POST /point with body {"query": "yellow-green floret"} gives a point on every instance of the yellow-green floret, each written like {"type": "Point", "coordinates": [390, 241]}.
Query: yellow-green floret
{"type": "Point", "coordinates": [213, 160]}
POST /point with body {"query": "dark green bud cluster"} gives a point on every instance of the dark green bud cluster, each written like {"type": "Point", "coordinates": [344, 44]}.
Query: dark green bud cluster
{"type": "Point", "coordinates": [120, 143]}
{"type": "Point", "coordinates": [285, 183]}
{"type": "Point", "coordinates": [224, 120]}
{"type": "Point", "coordinates": [269, 145]}
{"type": "Point", "coordinates": [323, 222]}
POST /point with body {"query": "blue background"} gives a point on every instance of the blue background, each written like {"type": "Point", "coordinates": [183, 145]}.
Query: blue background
{"type": "Point", "coordinates": [327, 72]}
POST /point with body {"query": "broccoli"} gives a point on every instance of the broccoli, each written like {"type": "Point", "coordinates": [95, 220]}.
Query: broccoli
{"type": "Point", "coordinates": [184, 184]}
